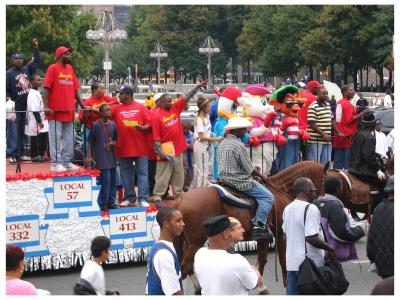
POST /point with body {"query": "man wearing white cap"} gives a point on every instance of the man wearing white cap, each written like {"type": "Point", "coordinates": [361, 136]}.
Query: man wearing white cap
{"type": "Point", "coordinates": [235, 169]}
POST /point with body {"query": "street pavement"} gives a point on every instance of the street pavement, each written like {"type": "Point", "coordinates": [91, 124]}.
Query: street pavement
{"type": "Point", "coordinates": [130, 278]}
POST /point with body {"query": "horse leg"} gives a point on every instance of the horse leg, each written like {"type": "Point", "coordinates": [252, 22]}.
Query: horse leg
{"type": "Point", "coordinates": [282, 256]}
{"type": "Point", "coordinates": [196, 284]}
{"type": "Point", "coordinates": [262, 252]}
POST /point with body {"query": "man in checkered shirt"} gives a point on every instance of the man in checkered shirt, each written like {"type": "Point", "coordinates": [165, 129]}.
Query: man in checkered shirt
{"type": "Point", "coordinates": [235, 169]}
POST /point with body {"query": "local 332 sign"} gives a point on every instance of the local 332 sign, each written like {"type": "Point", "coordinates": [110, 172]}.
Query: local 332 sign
{"type": "Point", "coordinates": [23, 230]}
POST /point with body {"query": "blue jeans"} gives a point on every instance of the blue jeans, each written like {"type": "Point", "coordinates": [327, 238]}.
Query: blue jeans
{"type": "Point", "coordinates": [11, 133]}
{"type": "Point", "coordinates": [291, 283]}
{"type": "Point", "coordinates": [128, 171]}
{"type": "Point", "coordinates": [287, 154]}
{"type": "Point", "coordinates": [152, 167]}
{"type": "Point", "coordinates": [108, 188]}
{"type": "Point", "coordinates": [85, 132]}
{"type": "Point", "coordinates": [342, 157]}
{"type": "Point", "coordinates": [265, 199]}
{"type": "Point", "coordinates": [319, 152]}
{"type": "Point", "coordinates": [61, 139]}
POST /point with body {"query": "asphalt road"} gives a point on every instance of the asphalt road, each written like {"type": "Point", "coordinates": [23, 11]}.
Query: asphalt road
{"type": "Point", "coordinates": [130, 278]}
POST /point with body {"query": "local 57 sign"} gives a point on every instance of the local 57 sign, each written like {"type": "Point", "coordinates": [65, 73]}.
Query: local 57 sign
{"type": "Point", "coordinates": [72, 191]}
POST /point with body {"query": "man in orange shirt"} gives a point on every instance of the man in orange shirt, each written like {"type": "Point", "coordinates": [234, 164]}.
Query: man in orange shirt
{"type": "Point", "coordinates": [346, 120]}
{"type": "Point", "coordinates": [169, 142]}
{"type": "Point", "coordinates": [88, 118]}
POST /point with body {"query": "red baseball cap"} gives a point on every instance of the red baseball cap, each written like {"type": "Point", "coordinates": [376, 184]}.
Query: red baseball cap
{"type": "Point", "coordinates": [61, 50]}
{"type": "Point", "coordinates": [313, 84]}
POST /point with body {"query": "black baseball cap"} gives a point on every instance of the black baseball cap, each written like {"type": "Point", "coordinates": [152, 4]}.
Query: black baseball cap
{"type": "Point", "coordinates": [126, 89]}
{"type": "Point", "coordinates": [217, 224]}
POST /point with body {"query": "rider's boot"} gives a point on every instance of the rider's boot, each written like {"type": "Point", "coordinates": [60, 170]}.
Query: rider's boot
{"type": "Point", "coordinates": [262, 232]}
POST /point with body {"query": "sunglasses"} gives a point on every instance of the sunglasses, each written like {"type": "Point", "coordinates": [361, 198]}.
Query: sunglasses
{"type": "Point", "coordinates": [289, 104]}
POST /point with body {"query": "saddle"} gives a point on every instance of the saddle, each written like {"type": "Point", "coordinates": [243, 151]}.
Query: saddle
{"type": "Point", "coordinates": [361, 192]}
{"type": "Point", "coordinates": [232, 196]}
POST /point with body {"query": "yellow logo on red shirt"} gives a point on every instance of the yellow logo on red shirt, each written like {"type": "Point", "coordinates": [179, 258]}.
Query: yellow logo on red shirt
{"type": "Point", "coordinates": [66, 76]}
{"type": "Point", "coordinates": [167, 119]}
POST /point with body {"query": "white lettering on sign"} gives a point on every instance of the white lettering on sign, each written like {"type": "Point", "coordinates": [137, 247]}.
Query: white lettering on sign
{"type": "Point", "coordinates": [129, 223]}
{"type": "Point", "coordinates": [22, 231]}
{"type": "Point", "coordinates": [72, 191]}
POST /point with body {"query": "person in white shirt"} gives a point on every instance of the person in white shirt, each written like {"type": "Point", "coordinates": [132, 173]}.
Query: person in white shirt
{"type": "Point", "coordinates": [202, 143]}
{"type": "Point", "coordinates": [387, 100]}
{"type": "Point", "coordinates": [390, 141]}
{"type": "Point", "coordinates": [381, 144]}
{"type": "Point", "coordinates": [297, 232]}
{"type": "Point", "coordinates": [92, 272]}
{"type": "Point", "coordinates": [377, 101]}
{"type": "Point", "coordinates": [163, 270]}
{"type": "Point", "coordinates": [37, 126]}
{"type": "Point", "coordinates": [11, 131]}
{"type": "Point", "coordinates": [220, 272]}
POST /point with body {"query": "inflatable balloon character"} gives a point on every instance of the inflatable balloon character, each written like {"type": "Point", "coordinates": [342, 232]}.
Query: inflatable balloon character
{"type": "Point", "coordinates": [149, 102]}
{"type": "Point", "coordinates": [255, 108]}
{"type": "Point", "coordinates": [227, 107]}
{"type": "Point", "coordinates": [284, 124]}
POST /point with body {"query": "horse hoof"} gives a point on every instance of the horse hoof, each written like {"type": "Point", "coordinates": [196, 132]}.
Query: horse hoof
{"type": "Point", "coordinates": [263, 291]}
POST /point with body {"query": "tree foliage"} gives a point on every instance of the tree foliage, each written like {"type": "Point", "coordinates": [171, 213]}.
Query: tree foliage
{"type": "Point", "coordinates": [54, 26]}
{"type": "Point", "coordinates": [279, 39]}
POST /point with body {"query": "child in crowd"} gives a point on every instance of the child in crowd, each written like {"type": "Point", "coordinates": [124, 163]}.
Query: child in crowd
{"type": "Point", "coordinates": [102, 140]}
{"type": "Point", "coordinates": [11, 131]}
{"type": "Point", "coordinates": [92, 281]}
{"type": "Point", "coordinates": [188, 155]}
{"type": "Point", "coordinates": [37, 126]}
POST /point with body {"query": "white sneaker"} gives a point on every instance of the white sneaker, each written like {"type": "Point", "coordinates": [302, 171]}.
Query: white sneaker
{"type": "Point", "coordinates": [71, 167]}
{"type": "Point", "coordinates": [58, 168]}
{"type": "Point", "coordinates": [144, 203]}
{"type": "Point", "coordinates": [25, 158]}
{"type": "Point", "coordinates": [124, 203]}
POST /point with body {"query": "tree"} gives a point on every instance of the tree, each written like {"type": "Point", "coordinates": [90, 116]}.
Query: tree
{"type": "Point", "coordinates": [53, 25]}
{"type": "Point", "coordinates": [271, 36]}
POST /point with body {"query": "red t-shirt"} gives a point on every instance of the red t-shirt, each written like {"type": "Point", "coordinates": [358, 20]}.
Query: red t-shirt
{"type": "Point", "coordinates": [302, 116]}
{"type": "Point", "coordinates": [131, 142]}
{"type": "Point", "coordinates": [91, 118]}
{"type": "Point", "coordinates": [151, 154]}
{"type": "Point", "coordinates": [345, 113]}
{"type": "Point", "coordinates": [62, 83]}
{"type": "Point", "coordinates": [167, 126]}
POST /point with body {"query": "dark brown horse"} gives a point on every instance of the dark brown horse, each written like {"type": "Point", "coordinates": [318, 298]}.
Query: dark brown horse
{"type": "Point", "coordinates": [201, 203]}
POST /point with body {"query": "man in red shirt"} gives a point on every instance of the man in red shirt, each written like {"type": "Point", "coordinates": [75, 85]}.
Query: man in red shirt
{"type": "Point", "coordinates": [346, 120]}
{"type": "Point", "coordinates": [61, 89]}
{"type": "Point", "coordinates": [133, 127]}
{"type": "Point", "coordinates": [87, 118]}
{"type": "Point", "coordinates": [169, 142]}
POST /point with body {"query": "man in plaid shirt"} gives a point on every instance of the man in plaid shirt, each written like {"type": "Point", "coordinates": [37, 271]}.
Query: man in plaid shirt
{"type": "Point", "coordinates": [235, 169]}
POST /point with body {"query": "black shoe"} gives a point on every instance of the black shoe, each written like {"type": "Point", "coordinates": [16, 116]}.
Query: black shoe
{"type": "Point", "coordinates": [112, 206]}
{"type": "Point", "coordinates": [261, 233]}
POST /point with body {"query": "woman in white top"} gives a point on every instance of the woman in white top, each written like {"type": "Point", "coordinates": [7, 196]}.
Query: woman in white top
{"type": "Point", "coordinates": [201, 147]}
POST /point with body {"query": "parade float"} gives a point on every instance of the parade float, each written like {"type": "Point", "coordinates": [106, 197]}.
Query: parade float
{"type": "Point", "coordinates": [54, 217]}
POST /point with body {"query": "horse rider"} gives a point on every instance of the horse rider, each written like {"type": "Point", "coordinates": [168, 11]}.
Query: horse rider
{"type": "Point", "coordinates": [364, 162]}
{"type": "Point", "coordinates": [235, 169]}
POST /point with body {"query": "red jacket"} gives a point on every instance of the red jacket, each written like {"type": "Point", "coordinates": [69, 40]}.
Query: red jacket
{"type": "Point", "coordinates": [345, 114]}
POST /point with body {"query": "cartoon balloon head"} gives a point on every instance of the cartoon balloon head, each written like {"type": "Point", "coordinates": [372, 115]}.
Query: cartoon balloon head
{"type": "Point", "coordinates": [254, 103]}
{"type": "Point", "coordinates": [286, 99]}
{"type": "Point", "coordinates": [228, 102]}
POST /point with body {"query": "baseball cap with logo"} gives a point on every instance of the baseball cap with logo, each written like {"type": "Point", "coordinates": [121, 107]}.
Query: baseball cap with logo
{"type": "Point", "coordinates": [126, 89]}
{"type": "Point", "coordinates": [61, 50]}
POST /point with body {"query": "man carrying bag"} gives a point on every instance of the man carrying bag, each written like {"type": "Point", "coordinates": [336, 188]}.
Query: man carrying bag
{"type": "Point", "coordinates": [328, 279]}
{"type": "Point", "coordinates": [298, 232]}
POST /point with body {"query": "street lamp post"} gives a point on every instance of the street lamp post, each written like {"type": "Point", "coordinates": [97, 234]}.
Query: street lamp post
{"type": "Point", "coordinates": [158, 53]}
{"type": "Point", "coordinates": [209, 48]}
{"type": "Point", "coordinates": [107, 33]}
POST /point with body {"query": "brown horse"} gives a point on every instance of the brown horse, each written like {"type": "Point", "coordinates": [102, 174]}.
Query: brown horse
{"type": "Point", "coordinates": [201, 203]}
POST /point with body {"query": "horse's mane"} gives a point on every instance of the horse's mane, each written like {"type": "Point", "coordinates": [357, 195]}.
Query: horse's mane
{"type": "Point", "coordinates": [284, 179]}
